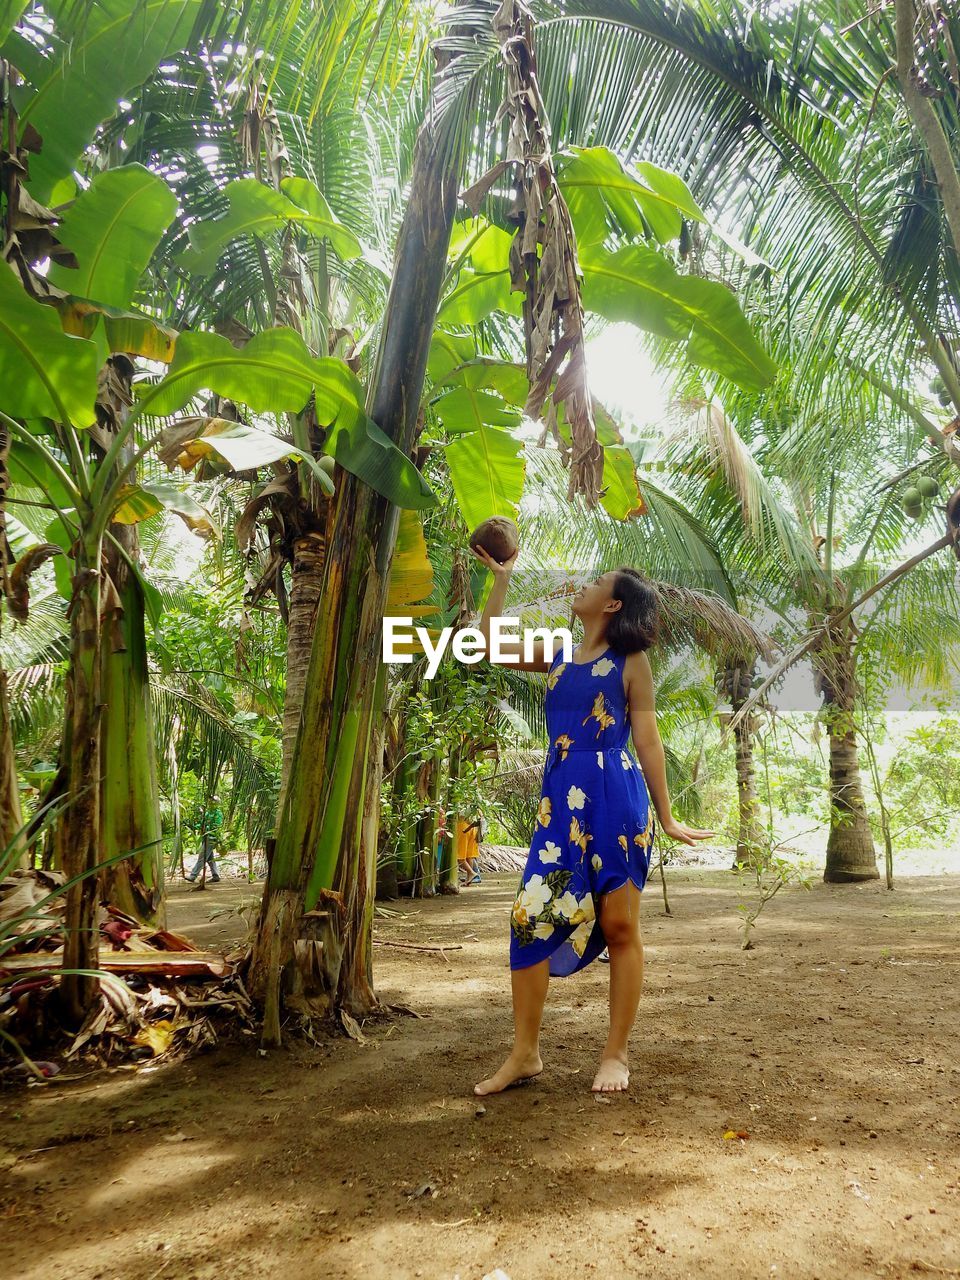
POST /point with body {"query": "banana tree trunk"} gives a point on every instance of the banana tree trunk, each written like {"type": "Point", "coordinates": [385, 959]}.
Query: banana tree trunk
{"type": "Point", "coordinates": [449, 871]}
{"type": "Point", "coordinates": [358, 885]}
{"type": "Point", "coordinates": [130, 795]}
{"type": "Point", "coordinates": [306, 585]}
{"type": "Point", "coordinates": [427, 835]}
{"type": "Point", "coordinates": [851, 854]}
{"type": "Point", "coordinates": [318, 894]}
{"type": "Point", "coordinates": [390, 828]}
{"type": "Point", "coordinates": [11, 818]}
{"type": "Point", "coordinates": [77, 834]}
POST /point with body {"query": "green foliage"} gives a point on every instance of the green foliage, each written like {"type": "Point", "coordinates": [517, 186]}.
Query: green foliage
{"type": "Point", "coordinates": [256, 209]}
{"type": "Point", "coordinates": [44, 372]}
{"type": "Point", "coordinates": [641, 285]}
{"type": "Point", "coordinates": [113, 229]}
{"type": "Point", "coordinates": [603, 196]}
{"type": "Point", "coordinates": [94, 56]}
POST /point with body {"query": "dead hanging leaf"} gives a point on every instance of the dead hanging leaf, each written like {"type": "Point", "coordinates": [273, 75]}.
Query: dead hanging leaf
{"type": "Point", "coordinates": [543, 260]}
{"type": "Point", "coordinates": [18, 599]}
{"type": "Point", "coordinates": [180, 444]}
{"type": "Point", "coordinates": [953, 521]}
{"type": "Point", "coordinates": [460, 596]}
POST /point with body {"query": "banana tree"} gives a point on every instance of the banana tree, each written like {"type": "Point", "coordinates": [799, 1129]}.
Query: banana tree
{"type": "Point", "coordinates": [87, 469]}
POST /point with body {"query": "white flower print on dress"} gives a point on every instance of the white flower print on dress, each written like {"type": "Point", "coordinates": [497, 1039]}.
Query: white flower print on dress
{"type": "Point", "coordinates": [585, 909]}
{"type": "Point", "coordinates": [544, 929]}
{"type": "Point", "coordinates": [551, 854]}
{"type": "Point", "coordinates": [576, 797]}
{"type": "Point", "coordinates": [566, 905]}
{"type": "Point", "coordinates": [596, 862]}
{"type": "Point", "coordinates": [601, 667]}
{"type": "Point", "coordinates": [531, 900]}
{"type": "Point", "coordinates": [600, 759]}
{"type": "Point", "coordinates": [575, 910]}
{"type": "Point", "coordinates": [625, 760]}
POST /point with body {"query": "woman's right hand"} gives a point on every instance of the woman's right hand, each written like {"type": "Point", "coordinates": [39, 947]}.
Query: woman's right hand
{"type": "Point", "coordinates": [501, 570]}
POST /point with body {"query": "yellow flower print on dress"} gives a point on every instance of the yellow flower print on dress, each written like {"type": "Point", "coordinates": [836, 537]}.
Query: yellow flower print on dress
{"type": "Point", "coordinates": [579, 835]}
{"type": "Point", "coordinates": [543, 811]}
{"type": "Point", "coordinates": [564, 743]}
{"type": "Point", "coordinates": [600, 713]}
{"type": "Point", "coordinates": [646, 838]}
{"type": "Point", "coordinates": [623, 843]}
{"type": "Point", "coordinates": [555, 675]}
{"type": "Point", "coordinates": [601, 667]}
{"type": "Point", "coordinates": [581, 936]}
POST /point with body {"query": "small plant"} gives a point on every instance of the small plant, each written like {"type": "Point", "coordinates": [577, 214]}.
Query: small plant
{"type": "Point", "coordinates": [771, 873]}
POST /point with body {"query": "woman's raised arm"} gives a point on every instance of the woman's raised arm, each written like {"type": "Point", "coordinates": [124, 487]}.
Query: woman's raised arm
{"type": "Point", "coordinates": [511, 651]}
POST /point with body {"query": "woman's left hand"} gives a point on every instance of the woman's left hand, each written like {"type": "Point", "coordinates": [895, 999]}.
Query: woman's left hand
{"type": "Point", "coordinates": [680, 831]}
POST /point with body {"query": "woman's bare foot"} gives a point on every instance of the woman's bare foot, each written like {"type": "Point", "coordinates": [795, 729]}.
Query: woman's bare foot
{"type": "Point", "coordinates": [517, 1067]}
{"type": "Point", "coordinates": [612, 1076]}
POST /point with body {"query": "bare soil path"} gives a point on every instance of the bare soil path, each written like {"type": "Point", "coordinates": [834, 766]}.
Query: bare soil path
{"type": "Point", "coordinates": [835, 1045]}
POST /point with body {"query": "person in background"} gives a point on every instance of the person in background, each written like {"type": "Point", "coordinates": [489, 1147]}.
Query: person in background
{"type": "Point", "coordinates": [210, 825]}
{"type": "Point", "coordinates": [441, 834]}
{"type": "Point", "coordinates": [468, 849]}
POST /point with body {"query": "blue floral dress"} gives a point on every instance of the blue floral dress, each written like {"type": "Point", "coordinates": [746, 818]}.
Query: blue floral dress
{"type": "Point", "coordinates": [595, 823]}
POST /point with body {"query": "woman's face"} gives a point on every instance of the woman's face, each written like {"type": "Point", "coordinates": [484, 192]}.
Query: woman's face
{"type": "Point", "coordinates": [593, 596]}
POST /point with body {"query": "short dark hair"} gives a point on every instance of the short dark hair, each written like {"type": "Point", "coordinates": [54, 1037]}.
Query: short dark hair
{"type": "Point", "coordinates": [635, 625]}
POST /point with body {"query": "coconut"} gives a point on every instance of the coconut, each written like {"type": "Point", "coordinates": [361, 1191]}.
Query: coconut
{"type": "Point", "coordinates": [928, 486]}
{"type": "Point", "coordinates": [912, 497]}
{"type": "Point", "coordinates": [498, 536]}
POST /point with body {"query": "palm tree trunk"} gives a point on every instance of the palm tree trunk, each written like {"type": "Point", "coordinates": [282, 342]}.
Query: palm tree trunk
{"type": "Point", "coordinates": [320, 864]}
{"type": "Point", "coordinates": [851, 854]}
{"type": "Point", "coordinates": [734, 681]}
{"type": "Point", "coordinates": [130, 795]}
{"type": "Point", "coordinates": [749, 831]}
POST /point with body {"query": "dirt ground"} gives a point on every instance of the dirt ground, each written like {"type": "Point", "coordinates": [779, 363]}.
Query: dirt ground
{"type": "Point", "coordinates": [833, 1044]}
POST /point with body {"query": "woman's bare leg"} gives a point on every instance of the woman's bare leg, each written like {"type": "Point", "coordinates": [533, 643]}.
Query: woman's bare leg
{"type": "Point", "coordinates": [529, 996]}
{"type": "Point", "coordinates": [620, 921]}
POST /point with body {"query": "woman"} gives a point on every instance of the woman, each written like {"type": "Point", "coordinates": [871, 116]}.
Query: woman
{"type": "Point", "coordinates": [468, 850]}
{"type": "Point", "coordinates": [589, 856]}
